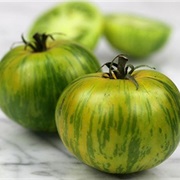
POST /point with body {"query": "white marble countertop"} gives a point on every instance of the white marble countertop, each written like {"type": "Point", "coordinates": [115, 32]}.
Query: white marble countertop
{"type": "Point", "coordinates": [28, 155]}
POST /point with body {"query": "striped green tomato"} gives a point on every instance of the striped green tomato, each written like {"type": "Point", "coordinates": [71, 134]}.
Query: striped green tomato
{"type": "Point", "coordinates": [78, 21]}
{"type": "Point", "coordinates": [33, 76]}
{"type": "Point", "coordinates": [117, 125]}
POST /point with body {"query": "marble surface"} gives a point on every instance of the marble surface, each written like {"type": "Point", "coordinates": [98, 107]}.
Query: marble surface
{"type": "Point", "coordinates": [28, 155]}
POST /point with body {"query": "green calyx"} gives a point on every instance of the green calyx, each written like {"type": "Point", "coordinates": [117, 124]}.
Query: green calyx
{"type": "Point", "coordinates": [38, 43]}
{"type": "Point", "coordinates": [120, 70]}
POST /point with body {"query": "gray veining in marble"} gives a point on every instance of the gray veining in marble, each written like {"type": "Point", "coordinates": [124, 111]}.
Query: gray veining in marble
{"type": "Point", "coordinates": [28, 155]}
{"type": "Point", "coordinates": [25, 154]}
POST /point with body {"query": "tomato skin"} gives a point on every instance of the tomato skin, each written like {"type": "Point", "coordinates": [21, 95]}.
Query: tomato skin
{"type": "Point", "coordinates": [123, 31]}
{"type": "Point", "coordinates": [111, 126]}
{"type": "Point", "coordinates": [31, 82]}
{"type": "Point", "coordinates": [79, 21]}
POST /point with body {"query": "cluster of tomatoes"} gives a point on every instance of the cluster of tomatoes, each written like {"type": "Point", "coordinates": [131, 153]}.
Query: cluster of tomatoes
{"type": "Point", "coordinates": [121, 121]}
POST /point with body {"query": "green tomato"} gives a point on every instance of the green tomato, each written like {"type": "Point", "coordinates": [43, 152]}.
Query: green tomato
{"type": "Point", "coordinates": [136, 36]}
{"type": "Point", "coordinates": [33, 76]}
{"type": "Point", "coordinates": [78, 21]}
{"type": "Point", "coordinates": [121, 121]}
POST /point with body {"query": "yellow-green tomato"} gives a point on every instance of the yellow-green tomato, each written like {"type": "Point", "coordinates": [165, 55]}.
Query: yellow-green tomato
{"type": "Point", "coordinates": [117, 127]}
{"type": "Point", "coordinates": [33, 76]}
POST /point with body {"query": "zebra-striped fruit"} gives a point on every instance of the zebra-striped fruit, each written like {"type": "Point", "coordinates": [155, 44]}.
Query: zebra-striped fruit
{"type": "Point", "coordinates": [120, 124]}
{"type": "Point", "coordinates": [33, 76]}
{"type": "Point", "coordinates": [78, 21]}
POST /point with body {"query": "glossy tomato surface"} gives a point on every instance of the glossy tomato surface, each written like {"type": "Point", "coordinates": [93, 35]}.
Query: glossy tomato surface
{"type": "Point", "coordinates": [31, 82]}
{"type": "Point", "coordinates": [115, 127]}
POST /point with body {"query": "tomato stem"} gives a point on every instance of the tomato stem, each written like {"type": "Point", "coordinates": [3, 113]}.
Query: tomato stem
{"type": "Point", "coordinates": [39, 43]}
{"type": "Point", "coordinates": [120, 70]}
